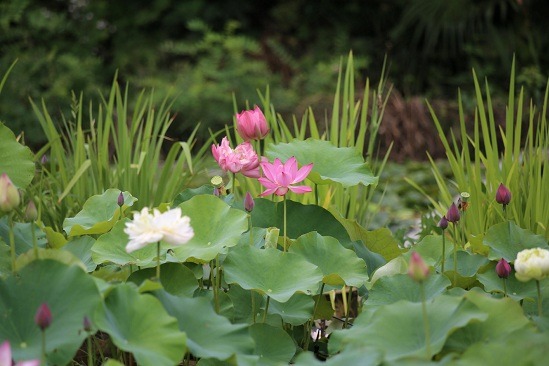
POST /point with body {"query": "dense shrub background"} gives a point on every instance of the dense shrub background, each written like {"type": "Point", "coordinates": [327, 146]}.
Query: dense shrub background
{"type": "Point", "coordinates": [202, 52]}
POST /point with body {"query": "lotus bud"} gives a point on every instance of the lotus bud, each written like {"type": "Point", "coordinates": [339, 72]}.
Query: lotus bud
{"type": "Point", "coordinates": [43, 316]}
{"type": "Point", "coordinates": [249, 202]}
{"type": "Point", "coordinates": [453, 214]}
{"type": "Point", "coordinates": [252, 125]}
{"type": "Point", "coordinates": [417, 268]}
{"type": "Point", "coordinates": [9, 195]}
{"type": "Point", "coordinates": [503, 269]}
{"type": "Point", "coordinates": [31, 213]}
{"type": "Point", "coordinates": [443, 223]}
{"type": "Point", "coordinates": [216, 192]}
{"type": "Point", "coordinates": [44, 159]}
{"type": "Point", "coordinates": [503, 195]}
{"type": "Point", "coordinates": [120, 200]}
{"type": "Point", "coordinates": [87, 324]}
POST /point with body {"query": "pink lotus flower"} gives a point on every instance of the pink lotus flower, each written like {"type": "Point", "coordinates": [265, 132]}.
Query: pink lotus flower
{"type": "Point", "coordinates": [242, 159]}
{"type": "Point", "coordinates": [252, 125]}
{"type": "Point", "coordinates": [5, 357]}
{"type": "Point", "coordinates": [279, 178]}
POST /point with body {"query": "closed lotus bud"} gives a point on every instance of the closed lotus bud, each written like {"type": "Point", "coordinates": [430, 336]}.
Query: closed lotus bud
{"type": "Point", "coordinates": [9, 195]}
{"type": "Point", "coordinates": [503, 269]}
{"type": "Point", "coordinates": [252, 125]}
{"type": "Point", "coordinates": [120, 200]}
{"type": "Point", "coordinates": [453, 214]}
{"type": "Point", "coordinates": [44, 159]}
{"type": "Point", "coordinates": [87, 324]}
{"type": "Point", "coordinates": [31, 213]}
{"type": "Point", "coordinates": [443, 223]}
{"type": "Point", "coordinates": [503, 195]}
{"type": "Point", "coordinates": [418, 270]}
{"type": "Point", "coordinates": [43, 316]}
{"type": "Point", "coordinates": [249, 202]}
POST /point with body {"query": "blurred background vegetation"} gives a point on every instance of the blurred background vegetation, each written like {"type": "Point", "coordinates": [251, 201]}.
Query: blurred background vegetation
{"type": "Point", "coordinates": [202, 52]}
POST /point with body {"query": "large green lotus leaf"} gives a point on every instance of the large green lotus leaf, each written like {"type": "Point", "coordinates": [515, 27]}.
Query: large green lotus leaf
{"type": "Point", "coordinates": [189, 193]}
{"type": "Point", "coordinates": [390, 289]}
{"type": "Point", "coordinates": [523, 347]}
{"type": "Point", "coordinates": [430, 249]}
{"type": "Point", "coordinates": [353, 356]}
{"type": "Point", "coordinates": [467, 263]}
{"type": "Point", "coordinates": [344, 165]}
{"type": "Point", "coordinates": [272, 345]}
{"type": "Point", "coordinates": [301, 219]}
{"type": "Point", "coordinates": [504, 317]}
{"type": "Point", "coordinates": [175, 278]}
{"type": "Point", "coordinates": [397, 329]}
{"type": "Point", "coordinates": [99, 214]}
{"type": "Point", "coordinates": [216, 225]}
{"type": "Point", "coordinates": [209, 335]}
{"type": "Point", "coordinates": [507, 239]}
{"type": "Point", "coordinates": [16, 160]}
{"type": "Point", "coordinates": [80, 247]}
{"type": "Point", "coordinates": [111, 247]}
{"type": "Point", "coordinates": [271, 272]}
{"type": "Point", "coordinates": [138, 323]}
{"type": "Point", "coordinates": [338, 265]}
{"type": "Point", "coordinates": [70, 294]}
{"type": "Point", "coordinates": [22, 235]}
{"type": "Point", "coordinates": [380, 241]}
{"type": "Point", "coordinates": [55, 254]}
{"type": "Point", "coordinates": [296, 311]}
{"type": "Point", "coordinates": [395, 266]}
{"type": "Point", "coordinates": [5, 260]}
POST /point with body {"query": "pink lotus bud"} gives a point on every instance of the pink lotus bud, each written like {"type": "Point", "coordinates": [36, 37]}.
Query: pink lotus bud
{"type": "Point", "coordinates": [9, 195]}
{"type": "Point", "coordinates": [120, 200]}
{"type": "Point", "coordinates": [44, 159]}
{"type": "Point", "coordinates": [453, 214]}
{"type": "Point", "coordinates": [443, 223]}
{"type": "Point", "coordinates": [31, 213]}
{"type": "Point", "coordinates": [87, 324]}
{"type": "Point", "coordinates": [503, 195]}
{"type": "Point", "coordinates": [249, 202]}
{"type": "Point", "coordinates": [43, 316]}
{"type": "Point", "coordinates": [252, 125]}
{"type": "Point", "coordinates": [417, 268]}
{"type": "Point", "coordinates": [503, 269]}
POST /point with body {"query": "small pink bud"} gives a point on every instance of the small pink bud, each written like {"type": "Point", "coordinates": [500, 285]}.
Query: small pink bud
{"type": "Point", "coordinates": [216, 192]}
{"type": "Point", "coordinates": [120, 200]}
{"type": "Point", "coordinates": [503, 195]}
{"type": "Point", "coordinates": [443, 223]}
{"type": "Point", "coordinates": [31, 213]}
{"type": "Point", "coordinates": [251, 124]}
{"type": "Point", "coordinates": [9, 195]}
{"type": "Point", "coordinates": [503, 269]}
{"type": "Point", "coordinates": [453, 214]}
{"type": "Point", "coordinates": [417, 268]}
{"type": "Point", "coordinates": [44, 159]}
{"type": "Point", "coordinates": [43, 316]}
{"type": "Point", "coordinates": [87, 324]}
{"type": "Point", "coordinates": [249, 202]}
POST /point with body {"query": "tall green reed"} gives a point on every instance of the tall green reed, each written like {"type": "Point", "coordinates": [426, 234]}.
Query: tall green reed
{"type": "Point", "coordinates": [493, 153]}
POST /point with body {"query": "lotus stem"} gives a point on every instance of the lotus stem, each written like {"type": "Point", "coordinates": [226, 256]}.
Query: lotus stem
{"type": "Point", "coordinates": [505, 287]}
{"type": "Point", "coordinates": [253, 306]}
{"type": "Point", "coordinates": [284, 233]}
{"type": "Point", "coordinates": [250, 229]}
{"type": "Point", "coordinates": [266, 309]}
{"type": "Point", "coordinates": [43, 347]}
{"type": "Point", "coordinates": [425, 321]}
{"type": "Point", "coordinates": [158, 261]}
{"type": "Point", "coordinates": [443, 251]}
{"type": "Point", "coordinates": [34, 242]}
{"type": "Point", "coordinates": [455, 254]}
{"type": "Point", "coordinates": [540, 311]}
{"type": "Point", "coordinates": [12, 243]}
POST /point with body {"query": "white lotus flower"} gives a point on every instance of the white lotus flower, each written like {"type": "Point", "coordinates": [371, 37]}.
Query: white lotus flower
{"type": "Point", "coordinates": [532, 264]}
{"type": "Point", "coordinates": [169, 226]}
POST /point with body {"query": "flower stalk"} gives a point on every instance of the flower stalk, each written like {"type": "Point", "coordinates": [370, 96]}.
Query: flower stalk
{"type": "Point", "coordinates": [540, 307]}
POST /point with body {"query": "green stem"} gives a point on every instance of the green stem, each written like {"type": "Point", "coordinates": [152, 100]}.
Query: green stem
{"type": "Point", "coordinates": [253, 306]}
{"type": "Point", "coordinates": [455, 255]}
{"type": "Point", "coordinates": [318, 300]}
{"type": "Point", "coordinates": [34, 242]}
{"type": "Point", "coordinates": [316, 194]}
{"type": "Point", "coordinates": [539, 299]}
{"type": "Point", "coordinates": [347, 304]}
{"type": "Point", "coordinates": [158, 261]}
{"type": "Point", "coordinates": [43, 347]}
{"type": "Point", "coordinates": [12, 242]}
{"type": "Point", "coordinates": [266, 309]}
{"type": "Point", "coordinates": [284, 233]}
{"type": "Point", "coordinates": [234, 188]}
{"type": "Point", "coordinates": [443, 251]}
{"type": "Point", "coordinates": [425, 321]}
{"type": "Point", "coordinates": [217, 283]}
{"type": "Point", "coordinates": [250, 229]}
{"type": "Point", "coordinates": [90, 350]}
{"type": "Point", "coordinates": [504, 287]}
